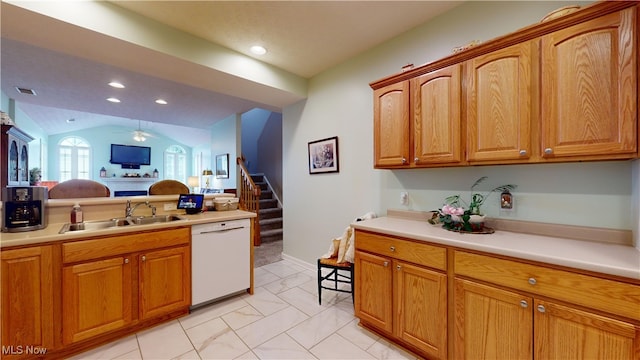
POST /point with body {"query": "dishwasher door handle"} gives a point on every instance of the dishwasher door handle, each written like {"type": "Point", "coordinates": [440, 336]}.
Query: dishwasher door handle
{"type": "Point", "coordinates": [219, 230]}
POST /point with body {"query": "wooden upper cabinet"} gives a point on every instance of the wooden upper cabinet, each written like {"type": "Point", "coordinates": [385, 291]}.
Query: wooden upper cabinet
{"type": "Point", "coordinates": [436, 108]}
{"type": "Point", "coordinates": [391, 125]}
{"type": "Point", "coordinates": [500, 99]}
{"type": "Point", "coordinates": [589, 79]}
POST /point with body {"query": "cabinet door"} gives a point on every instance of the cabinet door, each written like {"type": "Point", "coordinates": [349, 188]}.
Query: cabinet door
{"type": "Point", "coordinates": [165, 281]}
{"type": "Point", "coordinates": [565, 333]}
{"type": "Point", "coordinates": [96, 298]}
{"type": "Point", "coordinates": [23, 165]}
{"type": "Point", "coordinates": [500, 100]}
{"type": "Point", "coordinates": [27, 298]}
{"type": "Point", "coordinates": [373, 297]}
{"type": "Point", "coordinates": [391, 125]}
{"type": "Point", "coordinates": [589, 103]}
{"type": "Point", "coordinates": [14, 158]}
{"type": "Point", "coordinates": [491, 323]}
{"type": "Point", "coordinates": [421, 308]}
{"type": "Point", "coordinates": [436, 117]}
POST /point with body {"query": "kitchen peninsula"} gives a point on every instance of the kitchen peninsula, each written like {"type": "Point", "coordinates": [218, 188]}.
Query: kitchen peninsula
{"type": "Point", "coordinates": [139, 269]}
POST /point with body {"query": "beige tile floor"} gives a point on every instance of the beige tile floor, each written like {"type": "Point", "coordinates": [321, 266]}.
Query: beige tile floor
{"type": "Point", "coordinates": [282, 320]}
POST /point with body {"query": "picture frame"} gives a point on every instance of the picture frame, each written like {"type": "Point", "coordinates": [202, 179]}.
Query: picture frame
{"type": "Point", "coordinates": [222, 166]}
{"type": "Point", "coordinates": [323, 156]}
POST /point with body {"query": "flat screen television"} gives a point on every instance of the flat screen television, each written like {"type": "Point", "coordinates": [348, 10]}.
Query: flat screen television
{"type": "Point", "coordinates": [130, 156]}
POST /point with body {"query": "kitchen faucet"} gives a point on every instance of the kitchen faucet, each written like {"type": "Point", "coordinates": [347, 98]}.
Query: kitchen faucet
{"type": "Point", "coordinates": [129, 210]}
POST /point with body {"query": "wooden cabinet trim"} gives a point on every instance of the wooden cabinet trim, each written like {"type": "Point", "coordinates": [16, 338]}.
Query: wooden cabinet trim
{"type": "Point", "coordinates": [123, 244]}
{"type": "Point", "coordinates": [409, 250]}
{"type": "Point", "coordinates": [609, 296]}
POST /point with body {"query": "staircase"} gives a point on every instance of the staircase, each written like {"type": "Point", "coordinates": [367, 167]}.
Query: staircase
{"type": "Point", "coordinates": [270, 213]}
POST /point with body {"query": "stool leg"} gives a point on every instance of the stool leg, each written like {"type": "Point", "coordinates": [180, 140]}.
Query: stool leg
{"type": "Point", "coordinates": [353, 298]}
{"type": "Point", "coordinates": [319, 284]}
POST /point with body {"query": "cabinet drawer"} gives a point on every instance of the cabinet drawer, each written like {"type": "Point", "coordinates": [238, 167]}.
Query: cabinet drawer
{"type": "Point", "coordinates": [123, 244]}
{"type": "Point", "coordinates": [606, 295]}
{"type": "Point", "coordinates": [415, 252]}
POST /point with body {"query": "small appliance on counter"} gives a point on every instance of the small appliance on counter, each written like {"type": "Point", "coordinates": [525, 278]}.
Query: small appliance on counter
{"type": "Point", "coordinates": [24, 208]}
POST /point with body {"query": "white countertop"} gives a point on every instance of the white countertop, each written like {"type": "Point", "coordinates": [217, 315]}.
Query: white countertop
{"type": "Point", "coordinates": [50, 233]}
{"type": "Point", "coordinates": [604, 258]}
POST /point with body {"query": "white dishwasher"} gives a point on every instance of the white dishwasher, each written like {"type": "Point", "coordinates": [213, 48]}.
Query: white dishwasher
{"type": "Point", "coordinates": [220, 259]}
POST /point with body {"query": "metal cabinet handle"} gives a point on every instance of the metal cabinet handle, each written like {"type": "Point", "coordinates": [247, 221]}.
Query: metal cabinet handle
{"type": "Point", "coordinates": [541, 308]}
{"type": "Point", "coordinates": [416, 159]}
{"type": "Point", "coordinates": [392, 248]}
{"type": "Point", "coordinates": [524, 303]}
{"type": "Point", "coordinates": [523, 152]}
{"type": "Point", "coordinates": [404, 161]}
{"type": "Point", "coordinates": [548, 151]}
{"type": "Point", "coordinates": [386, 263]}
{"type": "Point", "coordinates": [532, 281]}
{"type": "Point", "coordinates": [398, 267]}
{"type": "Point", "coordinates": [144, 258]}
{"type": "Point", "coordinates": [126, 261]}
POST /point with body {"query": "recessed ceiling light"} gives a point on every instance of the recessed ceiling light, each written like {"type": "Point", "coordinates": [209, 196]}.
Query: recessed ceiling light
{"type": "Point", "coordinates": [116, 84]}
{"type": "Point", "coordinates": [161, 102]}
{"type": "Point", "coordinates": [113, 100]}
{"type": "Point", "coordinates": [258, 50]}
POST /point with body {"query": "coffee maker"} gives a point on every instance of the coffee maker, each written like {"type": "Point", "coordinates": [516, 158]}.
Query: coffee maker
{"type": "Point", "coordinates": [24, 208]}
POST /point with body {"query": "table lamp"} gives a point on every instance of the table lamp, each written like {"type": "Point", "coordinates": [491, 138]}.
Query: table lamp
{"type": "Point", "coordinates": [207, 175]}
{"type": "Point", "coordinates": [193, 182]}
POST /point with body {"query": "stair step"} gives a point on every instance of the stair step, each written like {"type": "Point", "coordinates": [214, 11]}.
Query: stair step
{"type": "Point", "coordinates": [270, 224]}
{"type": "Point", "coordinates": [271, 235]}
{"type": "Point", "coordinates": [266, 194]}
{"type": "Point", "coordinates": [257, 178]}
{"type": "Point", "coordinates": [270, 213]}
{"type": "Point", "coordinates": [268, 203]}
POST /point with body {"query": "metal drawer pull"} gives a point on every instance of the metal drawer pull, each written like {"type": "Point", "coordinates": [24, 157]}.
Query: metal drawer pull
{"type": "Point", "coordinates": [532, 281]}
{"type": "Point", "coordinates": [393, 248]}
{"type": "Point", "coordinates": [524, 303]}
{"type": "Point", "coordinates": [126, 261]}
{"type": "Point", "coordinates": [398, 267]}
{"type": "Point", "coordinates": [523, 152]}
{"type": "Point", "coordinates": [144, 258]}
{"type": "Point", "coordinates": [541, 308]}
{"type": "Point", "coordinates": [548, 151]}
{"type": "Point", "coordinates": [386, 263]}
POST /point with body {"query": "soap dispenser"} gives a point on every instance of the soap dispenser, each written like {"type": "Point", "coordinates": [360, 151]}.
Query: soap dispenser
{"type": "Point", "coordinates": [76, 214]}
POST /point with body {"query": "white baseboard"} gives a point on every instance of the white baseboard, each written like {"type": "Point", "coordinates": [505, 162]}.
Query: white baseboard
{"type": "Point", "coordinates": [299, 262]}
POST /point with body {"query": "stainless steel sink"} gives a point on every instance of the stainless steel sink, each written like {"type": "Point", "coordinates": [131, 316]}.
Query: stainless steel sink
{"type": "Point", "coordinates": [144, 220]}
{"type": "Point", "coordinates": [117, 222]}
{"type": "Point", "coordinates": [96, 225]}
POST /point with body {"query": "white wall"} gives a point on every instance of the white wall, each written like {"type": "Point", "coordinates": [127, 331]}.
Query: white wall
{"type": "Point", "coordinates": [225, 139]}
{"type": "Point", "coordinates": [340, 103]}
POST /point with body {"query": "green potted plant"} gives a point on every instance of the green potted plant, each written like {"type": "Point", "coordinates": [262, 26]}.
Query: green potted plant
{"type": "Point", "coordinates": [35, 175]}
{"type": "Point", "coordinates": [458, 215]}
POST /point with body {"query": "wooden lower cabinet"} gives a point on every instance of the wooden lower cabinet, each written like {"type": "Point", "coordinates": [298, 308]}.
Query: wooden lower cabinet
{"type": "Point", "coordinates": [404, 301]}
{"type": "Point", "coordinates": [493, 323]}
{"type": "Point", "coordinates": [27, 301]}
{"type": "Point", "coordinates": [563, 332]}
{"type": "Point", "coordinates": [103, 295]}
{"type": "Point", "coordinates": [165, 281]}
{"type": "Point", "coordinates": [96, 298]}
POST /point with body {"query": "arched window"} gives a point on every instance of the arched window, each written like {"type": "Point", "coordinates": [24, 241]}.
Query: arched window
{"type": "Point", "coordinates": [175, 163]}
{"type": "Point", "coordinates": [74, 157]}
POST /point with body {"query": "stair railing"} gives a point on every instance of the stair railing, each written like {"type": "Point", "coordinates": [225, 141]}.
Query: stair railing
{"type": "Point", "coordinates": [249, 199]}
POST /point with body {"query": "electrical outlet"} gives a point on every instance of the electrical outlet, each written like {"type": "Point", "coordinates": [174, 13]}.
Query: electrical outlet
{"type": "Point", "coordinates": [404, 198]}
{"type": "Point", "coordinates": [170, 206]}
{"type": "Point", "coordinates": [507, 201]}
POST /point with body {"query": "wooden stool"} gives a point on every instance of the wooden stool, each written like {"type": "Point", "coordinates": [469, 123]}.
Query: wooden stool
{"type": "Point", "coordinates": [335, 276]}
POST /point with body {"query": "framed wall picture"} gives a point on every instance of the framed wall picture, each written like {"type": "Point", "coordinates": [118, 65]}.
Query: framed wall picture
{"type": "Point", "coordinates": [323, 156]}
{"type": "Point", "coordinates": [222, 166]}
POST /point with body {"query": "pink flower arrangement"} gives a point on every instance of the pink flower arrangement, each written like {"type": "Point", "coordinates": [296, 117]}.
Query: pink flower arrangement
{"type": "Point", "coordinates": [452, 210]}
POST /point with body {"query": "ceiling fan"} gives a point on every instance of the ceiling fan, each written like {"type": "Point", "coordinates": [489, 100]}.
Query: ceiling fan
{"type": "Point", "coordinates": [139, 135]}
